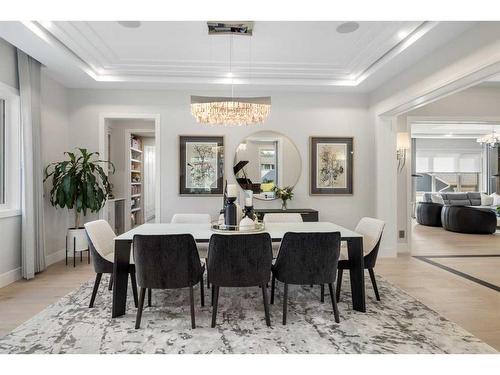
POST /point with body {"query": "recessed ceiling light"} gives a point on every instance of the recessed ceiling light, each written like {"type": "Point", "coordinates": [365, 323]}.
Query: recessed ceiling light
{"type": "Point", "coordinates": [448, 135]}
{"type": "Point", "coordinates": [347, 27]}
{"type": "Point", "coordinates": [130, 24]}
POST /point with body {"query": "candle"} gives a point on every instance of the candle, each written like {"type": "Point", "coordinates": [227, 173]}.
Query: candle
{"type": "Point", "coordinates": [248, 202]}
{"type": "Point", "coordinates": [232, 191]}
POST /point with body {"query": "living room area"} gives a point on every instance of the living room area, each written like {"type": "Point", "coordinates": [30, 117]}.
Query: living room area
{"type": "Point", "coordinates": [448, 186]}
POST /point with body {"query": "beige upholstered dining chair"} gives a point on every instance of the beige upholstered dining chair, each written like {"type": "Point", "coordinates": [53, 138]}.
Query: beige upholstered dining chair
{"type": "Point", "coordinates": [102, 247]}
{"type": "Point", "coordinates": [372, 230]}
{"type": "Point", "coordinates": [191, 219]}
{"type": "Point", "coordinates": [286, 217]}
{"type": "Point", "coordinates": [195, 219]}
{"type": "Point", "coordinates": [283, 218]}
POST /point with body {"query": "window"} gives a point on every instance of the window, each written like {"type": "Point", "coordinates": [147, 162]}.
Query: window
{"type": "Point", "coordinates": [2, 151]}
{"type": "Point", "coordinates": [10, 152]}
{"type": "Point", "coordinates": [267, 164]}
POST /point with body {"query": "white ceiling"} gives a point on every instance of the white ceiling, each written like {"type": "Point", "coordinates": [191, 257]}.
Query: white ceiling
{"type": "Point", "coordinates": [179, 54]}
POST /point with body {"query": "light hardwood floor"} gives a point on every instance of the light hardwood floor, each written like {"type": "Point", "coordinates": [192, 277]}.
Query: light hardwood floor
{"type": "Point", "coordinates": [23, 299]}
{"type": "Point", "coordinates": [472, 306]}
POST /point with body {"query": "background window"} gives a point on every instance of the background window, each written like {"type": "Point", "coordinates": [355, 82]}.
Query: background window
{"type": "Point", "coordinates": [2, 151]}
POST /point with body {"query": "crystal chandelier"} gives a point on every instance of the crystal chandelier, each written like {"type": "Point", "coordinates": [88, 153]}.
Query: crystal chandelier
{"type": "Point", "coordinates": [492, 140]}
{"type": "Point", "coordinates": [230, 110]}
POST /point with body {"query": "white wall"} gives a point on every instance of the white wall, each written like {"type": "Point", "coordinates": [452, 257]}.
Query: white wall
{"type": "Point", "coordinates": [479, 102]}
{"type": "Point", "coordinates": [8, 64]}
{"type": "Point", "coordinates": [298, 116]}
{"type": "Point", "coordinates": [10, 227]}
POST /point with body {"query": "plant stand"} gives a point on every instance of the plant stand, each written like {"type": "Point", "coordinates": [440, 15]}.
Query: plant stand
{"type": "Point", "coordinates": [75, 250]}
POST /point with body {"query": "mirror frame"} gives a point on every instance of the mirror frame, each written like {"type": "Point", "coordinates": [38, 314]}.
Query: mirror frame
{"type": "Point", "coordinates": [280, 134]}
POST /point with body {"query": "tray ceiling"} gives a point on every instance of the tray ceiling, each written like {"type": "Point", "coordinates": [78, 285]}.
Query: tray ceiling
{"type": "Point", "coordinates": [182, 52]}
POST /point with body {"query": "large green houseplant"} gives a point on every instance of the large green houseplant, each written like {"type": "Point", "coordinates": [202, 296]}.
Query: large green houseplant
{"type": "Point", "coordinates": [79, 183]}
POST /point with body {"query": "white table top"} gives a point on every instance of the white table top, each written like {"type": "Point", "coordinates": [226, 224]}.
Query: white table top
{"type": "Point", "coordinates": [202, 232]}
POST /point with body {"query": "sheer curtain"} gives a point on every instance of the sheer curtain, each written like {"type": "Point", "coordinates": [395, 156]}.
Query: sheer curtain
{"type": "Point", "coordinates": [33, 241]}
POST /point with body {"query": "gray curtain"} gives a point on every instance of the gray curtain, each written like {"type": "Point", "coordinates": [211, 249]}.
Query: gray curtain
{"type": "Point", "coordinates": [33, 241]}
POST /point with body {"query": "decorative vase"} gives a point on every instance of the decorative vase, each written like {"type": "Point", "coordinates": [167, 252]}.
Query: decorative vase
{"type": "Point", "coordinates": [283, 205]}
{"type": "Point", "coordinates": [230, 212]}
{"type": "Point", "coordinates": [247, 224]}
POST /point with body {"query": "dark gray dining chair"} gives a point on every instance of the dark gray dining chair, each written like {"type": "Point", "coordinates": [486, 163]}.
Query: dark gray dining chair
{"type": "Point", "coordinates": [167, 262]}
{"type": "Point", "coordinates": [307, 259]}
{"type": "Point", "coordinates": [101, 240]}
{"type": "Point", "coordinates": [236, 261]}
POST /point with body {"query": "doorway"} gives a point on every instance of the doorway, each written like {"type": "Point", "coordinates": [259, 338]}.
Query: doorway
{"type": "Point", "coordinates": [131, 144]}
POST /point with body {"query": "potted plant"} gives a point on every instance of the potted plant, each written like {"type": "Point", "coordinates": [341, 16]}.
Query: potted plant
{"type": "Point", "coordinates": [285, 194]}
{"type": "Point", "coordinates": [79, 183]}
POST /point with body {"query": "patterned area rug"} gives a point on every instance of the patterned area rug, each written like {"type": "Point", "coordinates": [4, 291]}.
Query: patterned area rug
{"type": "Point", "coordinates": [397, 324]}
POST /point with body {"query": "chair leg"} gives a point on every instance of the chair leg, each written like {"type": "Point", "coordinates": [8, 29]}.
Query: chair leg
{"type": "Point", "coordinates": [110, 286]}
{"type": "Point", "coordinates": [266, 306]}
{"type": "Point", "coordinates": [66, 249]}
{"type": "Point", "coordinates": [374, 283]}
{"type": "Point", "coordinates": [81, 256]}
{"type": "Point", "coordinates": [191, 301]}
{"type": "Point", "coordinates": [214, 304]}
{"type": "Point", "coordinates": [212, 297]}
{"type": "Point", "coordinates": [339, 283]}
{"type": "Point", "coordinates": [208, 280]}
{"type": "Point", "coordinates": [139, 308]}
{"type": "Point", "coordinates": [285, 301]}
{"type": "Point", "coordinates": [273, 285]}
{"type": "Point", "coordinates": [202, 292]}
{"type": "Point", "coordinates": [96, 288]}
{"type": "Point", "coordinates": [149, 297]}
{"type": "Point", "coordinates": [134, 287]}
{"type": "Point", "coordinates": [322, 293]}
{"type": "Point", "coordinates": [334, 303]}
{"type": "Point", "coordinates": [74, 252]}
{"type": "Point", "coordinates": [88, 256]}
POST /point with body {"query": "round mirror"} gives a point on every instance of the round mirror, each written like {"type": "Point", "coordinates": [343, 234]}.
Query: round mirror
{"type": "Point", "coordinates": [265, 160]}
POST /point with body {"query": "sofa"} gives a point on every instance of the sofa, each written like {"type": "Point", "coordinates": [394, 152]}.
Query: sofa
{"type": "Point", "coordinates": [457, 212]}
{"type": "Point", "coordinates": [468, 219]}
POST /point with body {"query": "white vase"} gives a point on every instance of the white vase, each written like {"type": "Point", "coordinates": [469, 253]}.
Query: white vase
{"type": "Point", "coordinates": [76, 239]}
{"type": "Point", "coordinates": [221, 219]}
{"type": "Point", "coordinates": [247, 224]}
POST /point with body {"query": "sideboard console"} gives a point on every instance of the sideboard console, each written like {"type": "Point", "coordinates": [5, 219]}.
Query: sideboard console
{"type": "Point", "coordinates": [308, 214]}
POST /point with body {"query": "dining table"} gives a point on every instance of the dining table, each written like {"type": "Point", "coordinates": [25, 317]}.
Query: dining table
{"type": "Point", "coordinates": [202, 233]}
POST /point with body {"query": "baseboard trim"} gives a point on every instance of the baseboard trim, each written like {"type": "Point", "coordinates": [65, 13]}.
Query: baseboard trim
{"type": "Point", "coordinates": [10, 276]}
{"type": "Point", "coordinates": [55, 257]}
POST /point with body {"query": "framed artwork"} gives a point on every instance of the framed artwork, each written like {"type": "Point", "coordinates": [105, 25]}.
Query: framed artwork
{"type": "Point", "coordinates": [201, 168]}
{"type": "Point", "coordinates": [331, 167]}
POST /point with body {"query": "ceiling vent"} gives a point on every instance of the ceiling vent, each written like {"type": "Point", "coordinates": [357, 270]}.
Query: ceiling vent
{"type": "Point", "coordinates": [230, 27]}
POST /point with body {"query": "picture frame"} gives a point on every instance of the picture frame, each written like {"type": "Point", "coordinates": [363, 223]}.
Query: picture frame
{"type": "Point", "coordinates": [331, 165]}
{"type": "Point", "coordinates": [201, 165]}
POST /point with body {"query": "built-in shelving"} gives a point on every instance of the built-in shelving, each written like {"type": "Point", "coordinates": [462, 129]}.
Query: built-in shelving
{"type": "Point", "coordinates": [136, 188]}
